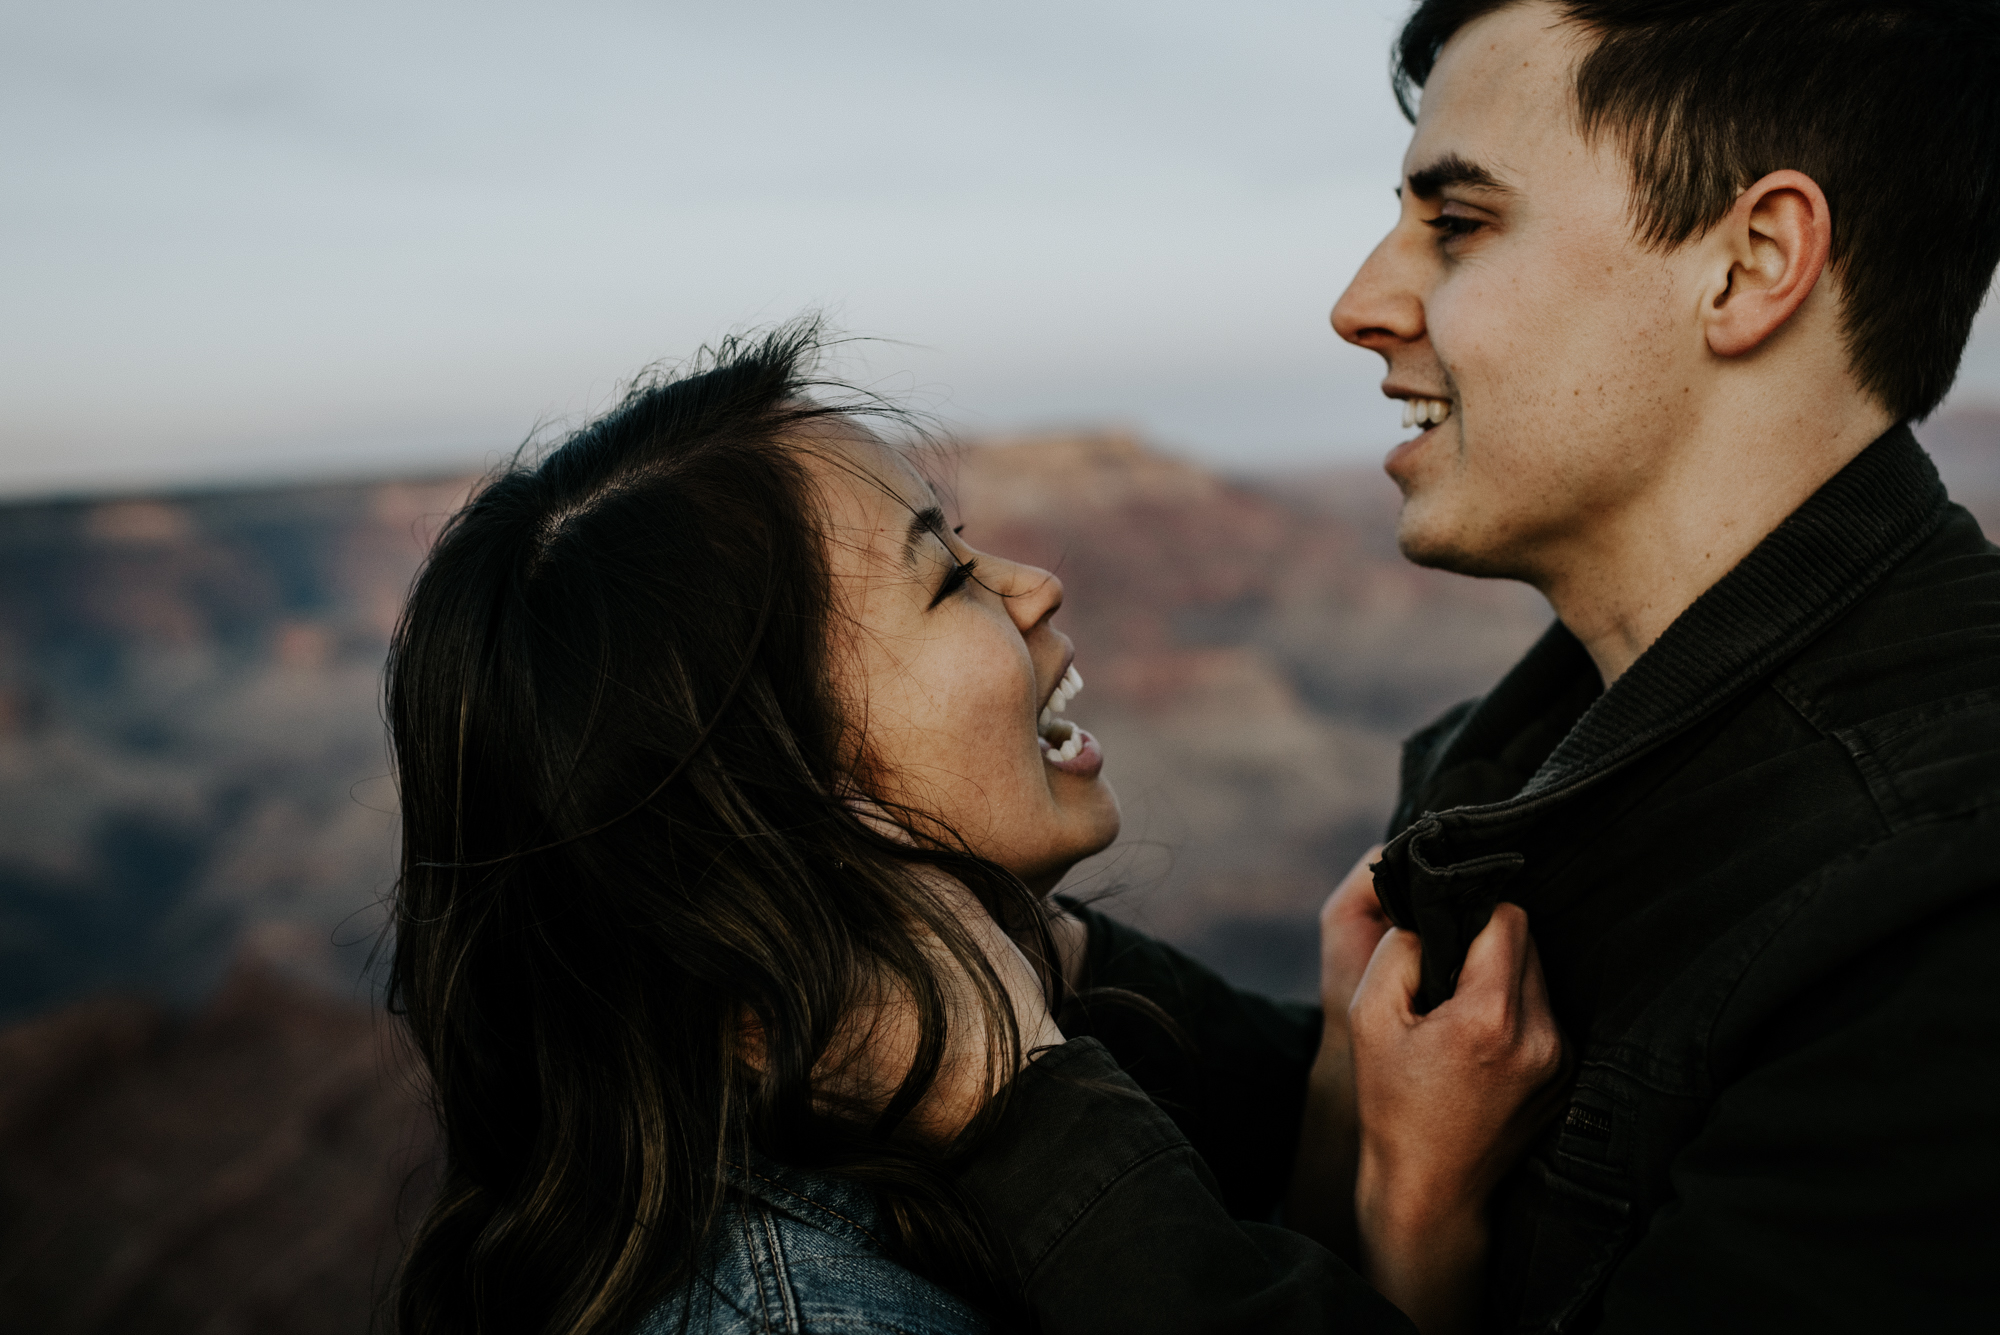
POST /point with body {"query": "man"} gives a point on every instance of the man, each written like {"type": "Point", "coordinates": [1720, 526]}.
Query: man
{"type": "Point", "coordinates": [1670, 280]}
{"type": "Point", "coordinates": [1668, 283]}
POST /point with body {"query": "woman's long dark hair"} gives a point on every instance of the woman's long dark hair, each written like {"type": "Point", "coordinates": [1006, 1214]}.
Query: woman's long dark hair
{"type": "Point", "coordinates": [629, 825]}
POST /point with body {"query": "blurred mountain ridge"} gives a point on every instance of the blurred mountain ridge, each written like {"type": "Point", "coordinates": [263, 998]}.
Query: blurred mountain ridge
{"type": "Point", "coordinates": [205, 1125]}
{"type": "Point", "coordinates": [256, 1167]}
{"type": "Point", "coordinates": [192, 759]}
{"type": "Point", "coordinates": [190, 740]}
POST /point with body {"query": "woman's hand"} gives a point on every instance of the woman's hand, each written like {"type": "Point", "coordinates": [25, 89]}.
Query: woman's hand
{"type": "Point", "coordinates": [1351, 925]}
{"type": "Point", "coordinates": [1320, 1203]}
{"type": "Point", "coordinates": [1447, 1101]}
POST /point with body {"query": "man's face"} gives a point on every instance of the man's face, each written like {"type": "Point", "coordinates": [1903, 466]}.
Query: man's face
{"type": "Point", "coordinates": [1513, 289]}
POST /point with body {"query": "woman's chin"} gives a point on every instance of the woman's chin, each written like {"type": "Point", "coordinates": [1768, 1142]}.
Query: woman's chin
{"type": "Point", "coordinates": [1088, 826]}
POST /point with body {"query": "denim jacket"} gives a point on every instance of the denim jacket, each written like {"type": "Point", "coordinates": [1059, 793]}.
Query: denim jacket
{"type": "Point", "coordinates": [801, 1253]}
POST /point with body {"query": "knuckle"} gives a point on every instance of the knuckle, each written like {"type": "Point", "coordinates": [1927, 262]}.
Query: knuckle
{"type": "Point", "coordinates": [1540, 1054]}
{"type": "Point", "coordinates": [1487, 1027]}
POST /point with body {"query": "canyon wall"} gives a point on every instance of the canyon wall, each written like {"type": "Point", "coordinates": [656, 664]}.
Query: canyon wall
{"type": "Point", "coordinates": [205, 1124]}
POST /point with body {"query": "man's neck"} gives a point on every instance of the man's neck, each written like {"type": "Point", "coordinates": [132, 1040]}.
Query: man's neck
{"type": "Point", "coordinates": [1620, 585]}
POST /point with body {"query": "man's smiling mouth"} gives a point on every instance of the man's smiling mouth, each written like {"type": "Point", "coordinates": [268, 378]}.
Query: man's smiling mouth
{"type": "Point", "coordinates": [1425, 412]}
{"type": "Point", "coordinates": [1061, 739]}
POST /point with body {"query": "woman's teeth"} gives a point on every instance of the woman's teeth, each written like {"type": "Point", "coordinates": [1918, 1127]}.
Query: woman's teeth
{"type": "Point", "coordinates": [1425, 412]}
{"type": "Point", "coordinates": [1060, 739]}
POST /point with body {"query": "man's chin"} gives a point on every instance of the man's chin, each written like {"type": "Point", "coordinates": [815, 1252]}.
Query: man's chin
{"type": "Point", "coordinates": [1444, 547]}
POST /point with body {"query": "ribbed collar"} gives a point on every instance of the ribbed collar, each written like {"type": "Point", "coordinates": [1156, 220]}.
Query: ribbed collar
{"type": "Point", "coordinates": [1811, 568]}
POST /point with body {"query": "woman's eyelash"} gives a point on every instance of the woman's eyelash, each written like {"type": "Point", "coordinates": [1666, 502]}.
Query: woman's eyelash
{"type": "Point", "coordinates": [954, 580]}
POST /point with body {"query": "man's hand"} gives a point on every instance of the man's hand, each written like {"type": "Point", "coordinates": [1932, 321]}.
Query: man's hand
{"type": "Point", "coordinates": [1447, 1101]}
{"type": "Point", "coordinates": [1320, 1203]}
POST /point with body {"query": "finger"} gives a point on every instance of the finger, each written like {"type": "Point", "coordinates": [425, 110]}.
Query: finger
{"type": "Point", "coordinates": [1363, 863]}
{"type": "Point", "coordinates": [1389, 983]}
{"type": "Point", "coordinates": [1367, 901]}
{"type": "Point", "coordinates": [1357, 879]}
{"type": "Point", "coordinates": [1538, 1012]}
{"type": "Point", "coordinates": [1534, 985]}
{"type": "Point", "coordinates": [1355, 898]}
{"type": "Point", "coordinates": [1363, 876]}
{"type": "Point", "coordinates": [1496, 963]}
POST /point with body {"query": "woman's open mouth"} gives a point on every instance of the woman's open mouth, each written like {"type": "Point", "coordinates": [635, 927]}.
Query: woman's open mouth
{"type": "Point", "coordinates": [1065, 746]}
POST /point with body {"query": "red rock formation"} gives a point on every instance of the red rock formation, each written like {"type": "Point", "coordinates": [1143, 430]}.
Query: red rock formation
{"type": "Point", "coordinates": [238, 1172]}
{"type": "Point", "coordinates": [191, 764]}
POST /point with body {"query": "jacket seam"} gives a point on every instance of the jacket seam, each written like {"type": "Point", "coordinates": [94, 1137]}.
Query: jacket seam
{"type": "Point", "coordinates": [827, 1209]}
{"type": "Point", "coordinates": [781, 1273]}
{"type": "Point", "coordinates": [1636, 1060]}
{"type": "Point", "coordinates": [1069, 1225]}
{"type": "Point", "coordinates": [1803, 894]}
{"type": "Point", "coordinates": [1808, 892]}
{"type": "Point", "coordinates": [1881, 784]}
{"type": "Point", "coordinates": [756, 1266]}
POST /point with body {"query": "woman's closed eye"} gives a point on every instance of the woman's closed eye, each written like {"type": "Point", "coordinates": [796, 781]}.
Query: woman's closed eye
{"type": "Point", "coordinates": [954, 580]}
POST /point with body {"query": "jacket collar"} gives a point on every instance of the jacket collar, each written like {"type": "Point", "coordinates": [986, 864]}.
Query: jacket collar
{"type": "Point", "coordinates": [822, 1200]}
{"type": "Point", "coordinates": [1806, 572]}
{"type": "Point", "coordinates": [1442, 875]}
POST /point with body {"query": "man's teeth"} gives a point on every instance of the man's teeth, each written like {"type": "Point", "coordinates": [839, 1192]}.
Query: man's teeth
{"type": "Point", "coordinates": [1060, 738]}
{"type": "Point", "coordinates": [1425, 412]}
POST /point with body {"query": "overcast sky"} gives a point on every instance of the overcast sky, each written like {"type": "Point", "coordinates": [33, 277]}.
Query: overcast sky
{"type": "Point", "coordinates": [269, 239]}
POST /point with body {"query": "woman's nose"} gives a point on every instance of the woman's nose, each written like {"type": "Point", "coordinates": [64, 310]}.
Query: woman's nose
{"type": "Point", "coordinates": [1382, 306]}
{"type": "Point", "coordinates": [1032, 594]}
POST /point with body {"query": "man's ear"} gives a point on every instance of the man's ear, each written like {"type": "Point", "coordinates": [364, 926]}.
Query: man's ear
{"type": "Point", "coordinates": [1775, 241]}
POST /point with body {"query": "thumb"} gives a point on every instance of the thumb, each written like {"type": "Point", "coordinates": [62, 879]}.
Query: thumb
{"type": "Point", "coordinates": [1390, 982]}
{"type": "Point", "coordinates": [1497, 960]}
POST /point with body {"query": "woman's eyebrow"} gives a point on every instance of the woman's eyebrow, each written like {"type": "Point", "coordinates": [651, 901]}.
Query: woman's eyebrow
{"type": "Point", "coordinates": [923, 523]}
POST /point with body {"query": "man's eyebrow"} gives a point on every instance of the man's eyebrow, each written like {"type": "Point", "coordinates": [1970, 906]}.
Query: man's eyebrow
{"type": "Point", "coordinates": [1451, 169]}
{"type": "Point", "coordinates": [924, 522]}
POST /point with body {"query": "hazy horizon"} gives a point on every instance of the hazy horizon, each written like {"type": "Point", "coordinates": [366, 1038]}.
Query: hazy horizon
{"type": "Point", "coordinates": [256, 243]}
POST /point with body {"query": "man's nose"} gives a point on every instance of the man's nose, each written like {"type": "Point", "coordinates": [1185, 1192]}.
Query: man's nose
{"type": "Point", "coordinates": [1381, 308]}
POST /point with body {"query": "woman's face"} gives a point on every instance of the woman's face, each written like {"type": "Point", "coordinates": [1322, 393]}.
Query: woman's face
{"type": "Point", "coordinates": [949, 666]}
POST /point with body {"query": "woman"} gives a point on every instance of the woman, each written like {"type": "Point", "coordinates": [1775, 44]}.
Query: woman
{"type": "Point", "coordinates": [734, 783]}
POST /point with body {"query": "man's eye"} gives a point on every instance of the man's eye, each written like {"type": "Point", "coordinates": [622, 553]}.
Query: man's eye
{"type": "Point", "coordinates": [1450, 226]}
